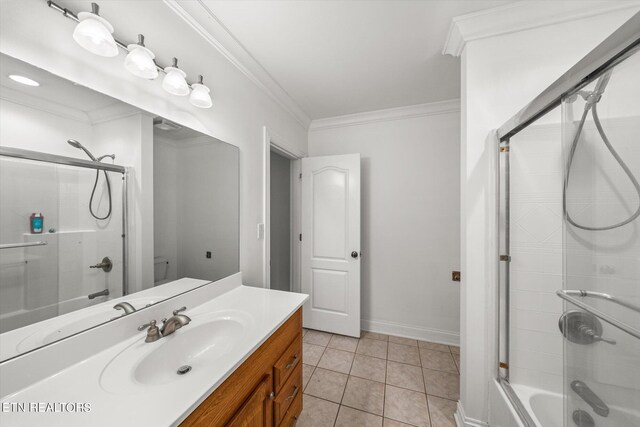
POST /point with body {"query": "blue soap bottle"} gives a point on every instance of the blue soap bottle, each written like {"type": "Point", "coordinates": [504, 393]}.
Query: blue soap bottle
{"type": "Point", "coordinates": [36, 221]}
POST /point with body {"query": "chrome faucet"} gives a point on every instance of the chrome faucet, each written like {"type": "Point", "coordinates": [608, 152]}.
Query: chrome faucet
{"type": "Point", "coordinates": [128, 308]}
{"type": "Point", "coordinates": [174, 323]}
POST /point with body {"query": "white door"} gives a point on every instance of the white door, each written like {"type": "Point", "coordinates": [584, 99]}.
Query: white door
{"type": "Point", "coordinates": [331, 243]}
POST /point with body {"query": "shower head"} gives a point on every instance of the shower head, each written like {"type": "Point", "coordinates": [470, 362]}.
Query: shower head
{"type": "Point", "coordinates": [76, 144]}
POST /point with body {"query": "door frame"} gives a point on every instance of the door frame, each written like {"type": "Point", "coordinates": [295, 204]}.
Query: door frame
{"type": "Point", "coordinates": [273, 142]}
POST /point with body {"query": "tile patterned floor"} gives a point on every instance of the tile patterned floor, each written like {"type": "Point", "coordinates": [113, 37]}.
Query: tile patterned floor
{"type": "Point", "coordinates": [378, 381]}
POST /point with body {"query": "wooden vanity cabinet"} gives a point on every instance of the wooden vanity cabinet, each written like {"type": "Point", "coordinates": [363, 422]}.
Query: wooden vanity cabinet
{"type": "Point", "coordinates": [265, 391]}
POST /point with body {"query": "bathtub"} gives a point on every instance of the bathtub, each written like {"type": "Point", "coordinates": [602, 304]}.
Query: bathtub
{"type": "Point", "coordinates": [547, 409]}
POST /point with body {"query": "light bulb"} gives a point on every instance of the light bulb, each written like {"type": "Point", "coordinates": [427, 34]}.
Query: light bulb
{"type": "Point", "coordinates": [174, 82]}
{"type": "Point", "coordinates": [139, 61]}
{"type": "Point", "coordinates": [200, 95]}
{"type": "Point", "coordinates": [94, 33]}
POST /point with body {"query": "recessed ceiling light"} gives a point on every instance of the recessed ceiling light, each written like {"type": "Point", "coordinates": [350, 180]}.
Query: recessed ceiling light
{"type": "Point", "coordinates": [23, 80]}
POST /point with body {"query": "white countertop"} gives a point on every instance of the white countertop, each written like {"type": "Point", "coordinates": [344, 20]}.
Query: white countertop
{"type": "Point", "coordinates": [158, 405]}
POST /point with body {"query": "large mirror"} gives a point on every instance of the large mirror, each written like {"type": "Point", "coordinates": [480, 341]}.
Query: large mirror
{"type": "Point", "coordinates": [104, 209]}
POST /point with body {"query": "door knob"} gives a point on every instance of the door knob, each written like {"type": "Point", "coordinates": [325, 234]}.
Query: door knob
{"type": "Point", "coordinates": [354, 254]}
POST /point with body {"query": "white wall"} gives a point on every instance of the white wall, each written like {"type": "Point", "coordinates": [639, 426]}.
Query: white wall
{"type": "Point", "coordinates": [280, 218]}
{"type": "Point", "coordinates": [410, 217]}
{"type": "Point", "coordinates": [34, 33]}
{"type": "Point", "coordinates": [500, 74]}
{"type": "Point", "coordinates": [165, 204]}
{"type": "Point", "coordinates": [196, 207]}
{"type": "Point", "coordinates": [207, 209]}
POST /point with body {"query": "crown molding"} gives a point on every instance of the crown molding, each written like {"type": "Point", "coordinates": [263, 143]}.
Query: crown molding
{"type": "Point", "coordinates": [206, 24]}
{"type": "Point", "coordinates": [399, 113]}
{"type": "Point", "coordinates": [523, 15]}
{"type": "Point", "coordinates": [117, 110]}
{"type": "Point", "coordinates": [37, 103]}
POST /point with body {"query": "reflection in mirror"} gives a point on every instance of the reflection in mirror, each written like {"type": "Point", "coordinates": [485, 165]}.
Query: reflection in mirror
{"type": "Point", "coordinates": [195, 197]}
{"type": "Point", "coordinates": [100, 204]}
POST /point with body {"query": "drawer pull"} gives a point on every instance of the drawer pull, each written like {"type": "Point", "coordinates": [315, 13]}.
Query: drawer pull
{"type": "Point", "coordinates": [293, 362]}
{"type": "Point", "coordinates": [272, 396]}
{"type": "Point", "coordinates": [293, 395]}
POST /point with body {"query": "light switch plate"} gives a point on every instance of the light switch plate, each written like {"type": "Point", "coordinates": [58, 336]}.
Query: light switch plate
{"type": "Point", "coordinates": [260, 231]}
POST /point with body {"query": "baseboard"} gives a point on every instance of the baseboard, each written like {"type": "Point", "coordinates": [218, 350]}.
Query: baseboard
{"type": "Point", "coordinates": [463, 421]}
{"type": "Point", "coordinates": [411, 331]}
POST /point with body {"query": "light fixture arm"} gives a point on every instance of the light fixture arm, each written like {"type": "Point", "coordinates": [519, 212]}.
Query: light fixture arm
{"type": "Point", "coordinates": [95, 8]}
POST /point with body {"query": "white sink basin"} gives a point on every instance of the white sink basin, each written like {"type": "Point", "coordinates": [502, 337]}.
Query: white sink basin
{"type": "Point", "coordinates": [208, 339]}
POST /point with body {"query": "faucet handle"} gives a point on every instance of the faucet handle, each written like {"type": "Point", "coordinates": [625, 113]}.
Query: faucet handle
{"type": "Point", "coordinates": [175, 312]}
{"type": "Point", "coordinates": [147, 325]}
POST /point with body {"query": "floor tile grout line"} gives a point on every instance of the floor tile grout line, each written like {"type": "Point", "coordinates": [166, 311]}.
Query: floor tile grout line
{"type": "Point", "coordinates": [387, 360]}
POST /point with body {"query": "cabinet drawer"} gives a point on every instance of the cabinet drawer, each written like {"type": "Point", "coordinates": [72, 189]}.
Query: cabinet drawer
{"type": "Point", "coordinates": [290, 391]}
{"type": "Point", "coordinates": [288, 362]}
{"type": "Point", "coordinates": [291, 416]}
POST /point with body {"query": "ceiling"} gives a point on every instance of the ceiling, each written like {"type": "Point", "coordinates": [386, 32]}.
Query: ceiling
{"type": "Point", "coordinates": [337, 57]}
{"type": "Point", "coordinates": [59, 92]}
{"type": "Point", "coordinates": [52, 88]}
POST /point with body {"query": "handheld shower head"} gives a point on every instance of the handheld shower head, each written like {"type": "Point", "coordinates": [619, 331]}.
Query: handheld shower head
{"type": "Point", "coordinates": [602, 82]}
{"type": "Point", "coordinates": [76, 144]}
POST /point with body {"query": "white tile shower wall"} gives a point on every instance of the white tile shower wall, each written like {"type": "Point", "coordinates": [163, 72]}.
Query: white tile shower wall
{"type": "Point", "coordinates": [600, 194]}
{"type": "Point", "coordinates": [536, 178]}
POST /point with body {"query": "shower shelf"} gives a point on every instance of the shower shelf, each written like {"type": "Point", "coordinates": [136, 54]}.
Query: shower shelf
{"type": "Point", "coordinates": [575, 297]}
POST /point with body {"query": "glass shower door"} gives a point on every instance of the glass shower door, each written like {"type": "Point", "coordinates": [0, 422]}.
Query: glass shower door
{"type": "Point", "coordinates": [601, 319]}
{"type": "Point", "coordinates": [28, 262]}
{"type": "Point", "coordinates": [43, 275]}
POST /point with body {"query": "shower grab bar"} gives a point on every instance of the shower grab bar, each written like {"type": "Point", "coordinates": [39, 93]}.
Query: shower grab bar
{"type": "Point", "coordinates": [600, 295]}
{"type": "Point", "coordinates": [567, 295]}
{"type": "Point", "coordinates": [21, 245]}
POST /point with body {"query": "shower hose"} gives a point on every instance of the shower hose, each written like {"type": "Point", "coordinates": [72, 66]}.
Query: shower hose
{"type": "Point", "coordinates": [93, 192]}
{"type": "Point", "coordinates": [594, 111]}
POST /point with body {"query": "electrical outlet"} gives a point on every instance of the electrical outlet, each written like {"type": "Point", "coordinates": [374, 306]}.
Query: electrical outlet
{"type": "Point", "coordinates": [208, 254]}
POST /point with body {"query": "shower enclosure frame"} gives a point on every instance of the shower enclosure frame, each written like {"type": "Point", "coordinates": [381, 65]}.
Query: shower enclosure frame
{"type": "Point", "coordinates": [624, 42]}
{"type": "Point", "coordinates": [20, 153]}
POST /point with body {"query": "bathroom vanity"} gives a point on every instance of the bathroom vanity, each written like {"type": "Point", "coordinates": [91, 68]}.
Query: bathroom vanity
{"type": "Point", "coordinates": [237, 362]}
{"type": "Point", "coordinates": [266, 390]}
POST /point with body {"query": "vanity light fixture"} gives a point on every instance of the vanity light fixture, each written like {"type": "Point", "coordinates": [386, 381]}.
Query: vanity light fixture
{"type": "Point", "coordinates": [200, 95]}
{"type": "Point", "coordinates": [23, 80]}
{"type": "Point", "coordinates": [174, 82]}
{"type": "Point", "coordinates": [139, 61]}
{"type": "Point", "coordinates": [93, 33]}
